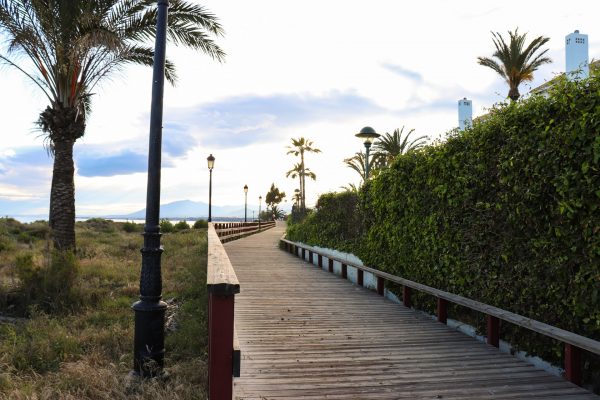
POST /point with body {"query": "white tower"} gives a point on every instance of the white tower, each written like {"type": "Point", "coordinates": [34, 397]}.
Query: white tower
{"type": "Point", "coordinates": [465, 114]}
{"type": "Point", "coordinates": [576, 49]}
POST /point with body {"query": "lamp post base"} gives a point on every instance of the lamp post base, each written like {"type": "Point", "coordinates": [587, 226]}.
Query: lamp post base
{"type": "Point", "coordinates": [149, 341]}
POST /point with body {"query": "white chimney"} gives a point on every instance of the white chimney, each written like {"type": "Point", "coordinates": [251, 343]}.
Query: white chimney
{"type": "Point", "coordinates": [577, 62]}
{"type": "Point", "coordinates": [465, 114]}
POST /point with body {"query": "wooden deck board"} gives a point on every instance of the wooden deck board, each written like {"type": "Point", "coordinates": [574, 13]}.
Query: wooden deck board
{"type": "Point", "coordinates": [307, 334]}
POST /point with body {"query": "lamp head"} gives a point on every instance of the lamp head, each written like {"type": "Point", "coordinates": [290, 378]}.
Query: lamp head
{"type": "Point", "coordinates": [245, 188]}
{"type": "Point", "coordinates": [211, 162]}
{"type": "Point", "coordinates": [368, 135]}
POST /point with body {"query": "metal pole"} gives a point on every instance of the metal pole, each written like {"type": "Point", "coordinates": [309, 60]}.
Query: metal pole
{"type": "Point", "coordinates": [367, 146]}
{"type": "Point", "coordinates": [259, 203]}
{"type": "Point", "coordinates": [149, 348]}
{"type": "Point", "coordinates": [245, 206]}
{"type": "Point", "coordinates": [210, 197]}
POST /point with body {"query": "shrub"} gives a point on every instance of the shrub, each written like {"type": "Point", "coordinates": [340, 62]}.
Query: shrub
{"type": "Point", "coordinates": [200, 224]}
{"type": "Point", "coordinates": [130, 226]}
{"type": "Point", "coordinates": [166, 226]}
{"type": "Point", "coordinates": [181, 226]}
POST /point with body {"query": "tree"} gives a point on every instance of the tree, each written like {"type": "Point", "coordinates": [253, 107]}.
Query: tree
{"type": "Point", "coordinates": [298, 148]}
{"type": "Point", "coordinates": [274, 196]}
{"type": "Point", "coordinates": [72, 45]}
{"type": "Point", "coordinates": [388, 147]}
{"type": "Point", "coordinates": [301, 174]}
{"type": "Point", "coordinates": [358, 162]}
{"type": "Point", "coordinates": [516, 60]}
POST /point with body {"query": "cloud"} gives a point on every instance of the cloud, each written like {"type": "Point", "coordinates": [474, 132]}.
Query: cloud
{"type": "Point", "coordinates": [406, 73]}
{"type": "Point", "coordinates": [244, 120]}
{"type": "Point", "coordinates": [123, 163]}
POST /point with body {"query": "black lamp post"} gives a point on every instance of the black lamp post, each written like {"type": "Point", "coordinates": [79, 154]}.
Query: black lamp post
{"type": "Point", "coordinates": [211, 165]}
{"type": "Point", "coordinates": [368, 134]}
{"type": "Point", "coordinates": [149, 339]}
{"type": "Point", "coordinates": [245, 203]}
{"type": "Point", "coordinates": [259, 204]}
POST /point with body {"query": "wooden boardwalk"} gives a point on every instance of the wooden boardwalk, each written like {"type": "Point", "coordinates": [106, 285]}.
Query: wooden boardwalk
{"type": "Point", "coordinates": [308, 334]}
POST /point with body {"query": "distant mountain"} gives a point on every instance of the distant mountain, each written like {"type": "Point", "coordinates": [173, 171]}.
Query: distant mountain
{"type": "Point", "coordinates": [192, 209]}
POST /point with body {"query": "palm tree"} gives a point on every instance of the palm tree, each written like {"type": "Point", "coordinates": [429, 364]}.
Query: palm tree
{"type": "Point", "coordinates": [517, 61]}
{"type": "Point", "coordinates": [298, 148]}
{"type": "Point", "coordinates": [358, 162]}
{"type": "Point", "coordinates": [388, 147]}
{"type": "Point", "coordinates": [72, 45]}
{"type": "Point", "coordinates": [297, 172]}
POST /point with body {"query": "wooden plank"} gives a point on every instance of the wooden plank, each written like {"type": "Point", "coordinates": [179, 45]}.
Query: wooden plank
{"type": "Point", "coordinates": [308, 334]}
{"type": "Point", "coordinates": [220, 277]}
{"type": "Point", "coordinates": [562, 335]}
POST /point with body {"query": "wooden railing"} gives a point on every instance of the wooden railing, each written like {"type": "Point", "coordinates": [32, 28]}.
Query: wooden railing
{"type": "Point", "coordinates": [223, 347]}
{"type": "Point", "coordinates": [228, 231]}
{"type": "Point", "coordinates": [574, 343]}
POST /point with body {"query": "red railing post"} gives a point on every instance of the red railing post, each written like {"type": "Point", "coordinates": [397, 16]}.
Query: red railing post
{"type": "Point", "coordinates": [442, 310]}
{"type": "Point", "coordinates": [360, 277]}
{"type": "Point", "coordinates": [220, 348]}
{"type": "Point", "coordinates": [320, 261]}
{"type": "Point", "coordinates": [493, 331]}
{"type": "Point", "coordinates": [222, 285]}
{"type": "Point", "coordinates": [303, 254]}
{"type": "Point", "coordinates": [406, 296]}
{"type": "Point", "coordinates": [330, 265]}
{"type": "Point", "coordinates": [344, 271]}
{"type": "Point", "coordinates": [380, 286]}
{"type": "Point", "coordinates": [310, 257]}
{"type": "Point", "coordinates": [573, 364]}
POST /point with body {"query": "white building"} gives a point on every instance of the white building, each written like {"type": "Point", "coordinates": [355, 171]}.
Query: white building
{"type": "Point", "coordinates": [465, 114]}
{"type": "Point", "coordinates": [577, 56]}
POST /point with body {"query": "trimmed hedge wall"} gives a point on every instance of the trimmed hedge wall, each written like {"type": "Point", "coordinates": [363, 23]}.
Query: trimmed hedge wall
{"type": "Point", "coordinates": [506, 213]}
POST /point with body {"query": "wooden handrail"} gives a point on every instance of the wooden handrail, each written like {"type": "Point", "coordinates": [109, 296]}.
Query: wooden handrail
{"type": "Point", "coordinates": [228, 231]}
{"type": "Point", "coordinates": [223, 351]}
{"type": "Point", "coordinates": [573, 342]}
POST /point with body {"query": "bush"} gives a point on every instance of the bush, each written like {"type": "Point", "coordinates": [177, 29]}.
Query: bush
{"type": "Point", "coordinates": [166, 226]}
{"type": "Point", "coordinates": [507, 213]}
{"type": "Point", "coordinates": [200, 224]}
{"type": "Point", "coordinates": [181, 226]}
{"type": "Point", "coordinates": [130, 226]}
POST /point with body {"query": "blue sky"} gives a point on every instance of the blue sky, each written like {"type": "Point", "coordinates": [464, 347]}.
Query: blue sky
{"type": "Point", "coordinates": [322, 70]}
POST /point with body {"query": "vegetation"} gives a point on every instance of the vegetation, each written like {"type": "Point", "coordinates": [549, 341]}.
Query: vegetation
{"type": "Point", "coordinates": [273, 198]}
{"type": "Point", "coordinates": [200, 224]}
{"type": "Point", "coordinates": [507, 213]}
{"type": "Point", "coordinates": [517, 61]}
{"type": "Point", "coordinates": [72, 45]}
{"type": "Point", "coordinates": [299, 147]}
{"type": "Point", "coordinates": [358, 163]}
{"type": "Point", "coordinates": [390, 146]}
{"type": "Point", "coordinates": [83, 349]}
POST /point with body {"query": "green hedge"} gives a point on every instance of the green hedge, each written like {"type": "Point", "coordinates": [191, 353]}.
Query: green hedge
{"type": "Point", "coordinates": [506, 213]}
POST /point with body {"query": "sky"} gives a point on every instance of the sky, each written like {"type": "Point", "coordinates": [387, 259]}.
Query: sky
{"type": "Point", "coordinates": [315, 69]}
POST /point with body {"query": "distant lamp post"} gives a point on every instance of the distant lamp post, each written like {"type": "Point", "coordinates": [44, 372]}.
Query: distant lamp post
{"type": "Point", "coordinates": [211, 164]}
{"type": "Point", "coordinates": [259, 204]}
{"type": "Point", "coordinates": [245, 203]}
{"type": "Point", "coordinates": [149, 336]}
{"type": "Point", "coordinates": [368, 135]}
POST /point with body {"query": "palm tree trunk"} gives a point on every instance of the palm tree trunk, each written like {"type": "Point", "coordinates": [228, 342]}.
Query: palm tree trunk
{"type": "Point", "coordinates": [514, 94]}
{"type": "Point", "coordinates": [62, 196]}
{"type": "Point", "coordinates": [302, 189]}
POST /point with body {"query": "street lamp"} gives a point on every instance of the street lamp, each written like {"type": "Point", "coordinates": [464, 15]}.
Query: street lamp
{"type": "Point", "coordinates": [245, 203]}
{"type": "Point", "coordinates": [259, 204]}
{"type": "Point", "coordinates": [149, 336]}
{"type": "Point", "coordinates": [368, 135]}
{"type": "Point", "coordinates": [211, 165]}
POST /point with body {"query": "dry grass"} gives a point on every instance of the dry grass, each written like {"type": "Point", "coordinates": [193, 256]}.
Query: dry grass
{"type": "Point", "coordinates": [83, 349]}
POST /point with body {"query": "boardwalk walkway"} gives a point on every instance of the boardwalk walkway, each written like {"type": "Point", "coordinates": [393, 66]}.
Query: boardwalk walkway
{"type": "Point", "coordinates": [306, 333]}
